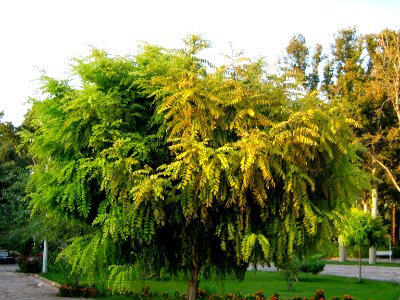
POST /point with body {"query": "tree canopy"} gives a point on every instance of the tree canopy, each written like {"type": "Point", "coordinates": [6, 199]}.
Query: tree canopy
{"type": "Point", "coordinates": [182, 166]}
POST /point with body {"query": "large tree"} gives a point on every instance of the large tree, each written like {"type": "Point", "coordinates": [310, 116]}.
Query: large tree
{"type": "Point", "coordinates": [180, 166]}
{"type": "Point", "coordinates": [385, 84]}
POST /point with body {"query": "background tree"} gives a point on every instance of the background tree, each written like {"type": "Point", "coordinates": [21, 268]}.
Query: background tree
{"type": "Point", "coordinates": [385, 71]}
{"type": "Point", "coordinates": [14, 173]}
{"type": "Point", "coordinates": [297, 58]}
{"type": "Point", "coordinates": [362, 73]}
{"type": "Point", "coordinates": [297, 63]}
{"type": "Point", "coordinates": [180, 167]}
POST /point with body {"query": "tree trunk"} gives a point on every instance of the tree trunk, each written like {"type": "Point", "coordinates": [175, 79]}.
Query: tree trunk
{"type": "Point", "coordinates": [374, 196]}
{"type": "Point", "coordinates": [372, 256]}
{"type": "Point", "coordinates": [397, 100]}
{"type": "Point", "coordinates": [342, 252]}
{"type": "Point", "coordinates": [365, 205]}
{"type": "Point", "coordinates": [374, 213]}
{"type": "Point", "coordinates": [359, 263]}
{"type": "Point", "coordinates": [289, 283]}
{"type": "Point", "coordinates": [394, 225]}
{"type": "Point", "coordinates": [76, 281]}
{"type": "Point", "coordinates": [193, 282]}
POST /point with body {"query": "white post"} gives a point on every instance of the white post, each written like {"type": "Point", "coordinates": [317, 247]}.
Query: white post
{"type": "Point", "coordinates": [44, 265]}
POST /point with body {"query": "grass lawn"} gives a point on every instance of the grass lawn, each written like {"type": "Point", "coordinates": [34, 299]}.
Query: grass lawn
{"type": "Point", "coordinates": [274, 282]}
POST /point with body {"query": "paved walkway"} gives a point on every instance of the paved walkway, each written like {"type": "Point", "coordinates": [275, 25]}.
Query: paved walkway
{"type": "Point", "coordinates": [19, 286]}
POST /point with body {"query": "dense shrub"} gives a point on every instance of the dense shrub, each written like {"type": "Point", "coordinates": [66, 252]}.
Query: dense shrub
{"type": "Point", "coordinates": [313, 265]}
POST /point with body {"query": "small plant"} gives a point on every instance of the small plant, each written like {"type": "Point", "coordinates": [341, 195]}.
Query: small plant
{"type": "Point", "coordinates": [274, 296]}
{"type": "Point", "coordinates": [180, 295]}
{"type": "Point", "coordinates": [259, 295]}
{"type": "Point", "coordinates": [237, 296]}
{"type": "Point", "coordinates": [88, 292]}
{"type": "Point", "coordinates": [201, 294]}
{"type": "Point", "coordinates": [290, 270]}
{"type": "Point", "coordinates": [319, 295]}
{"type": "Point", "coordinates": [165, 295]}
{"type": "Point", "coordinates": [215, 297]}
{"type": "Point", "coordinates": [144, 293]}
{"type": "Point", "coordinates": [66, 290]}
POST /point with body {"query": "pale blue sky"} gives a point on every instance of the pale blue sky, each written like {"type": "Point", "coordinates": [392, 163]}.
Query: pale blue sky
{"type": "Point", "coordinates": [45, 34]}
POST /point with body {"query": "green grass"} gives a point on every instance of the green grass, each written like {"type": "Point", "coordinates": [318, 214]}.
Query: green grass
{"type": "Point", "coordinates": [273, 282]}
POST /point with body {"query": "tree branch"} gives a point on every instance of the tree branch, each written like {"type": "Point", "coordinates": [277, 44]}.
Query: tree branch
{"type": "Point", "coordinates": [388, 172]}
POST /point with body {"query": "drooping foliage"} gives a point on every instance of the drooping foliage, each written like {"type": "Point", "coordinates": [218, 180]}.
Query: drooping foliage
{"type": "Point", "coordinates": [180, 166]}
